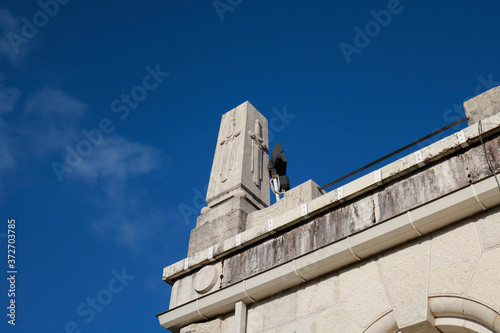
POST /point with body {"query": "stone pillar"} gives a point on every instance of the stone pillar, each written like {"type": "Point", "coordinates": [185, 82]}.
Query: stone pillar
{"type": "Point", "coordinates": [482, 106]}
{"type": "Point", "coordinates": [239, 181]}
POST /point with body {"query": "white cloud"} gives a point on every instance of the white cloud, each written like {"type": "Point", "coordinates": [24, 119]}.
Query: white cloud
{"type": "Point", "coordinates": [108, 167]}
{"type": "Point", "coordinates": [54, 101]}
{"type": "Point", "coordinates": [52, 120]}
{"type": "Point", "coordinates": [126, 228]}
{"type": "Point", "coordinates": [6, 160]}
{"type": "Point", "coordinates": [9, 24]}
{"type": "Point", "coordinates": [117, 158]}
{"type": "Point", "coordinates": [8, 98]}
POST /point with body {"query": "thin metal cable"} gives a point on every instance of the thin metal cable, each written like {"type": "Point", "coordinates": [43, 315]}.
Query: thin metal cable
{"type": "Point", "coordinates": [488, 161]}
{"type": "Point", "coordinates": [395, 152]}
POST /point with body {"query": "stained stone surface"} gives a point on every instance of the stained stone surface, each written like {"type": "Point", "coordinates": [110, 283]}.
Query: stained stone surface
{"type": "Point", "coordinates": [424, 186]}
{"type": "Point", "coordinates": [483, 106]}
{"type": "Point", "coordinates": [477, 167]}
{"type": "Point", "coordinates": [343, 221]}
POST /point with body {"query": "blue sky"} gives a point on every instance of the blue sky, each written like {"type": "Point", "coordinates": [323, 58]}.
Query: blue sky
{"type": "Point", "coordinates": [109, 113]}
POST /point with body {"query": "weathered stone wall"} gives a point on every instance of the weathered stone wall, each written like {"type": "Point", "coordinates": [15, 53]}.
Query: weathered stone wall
{"type": "Point", "coordinates": [399, 290]}
{"type": "Point", "coordinates": [482, 106]}
{"type": "Point", "coordinates": [399, 196]}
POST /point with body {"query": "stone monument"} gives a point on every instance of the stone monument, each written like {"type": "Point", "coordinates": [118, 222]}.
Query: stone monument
{"type": "Point", "coordinates": [239, 183]}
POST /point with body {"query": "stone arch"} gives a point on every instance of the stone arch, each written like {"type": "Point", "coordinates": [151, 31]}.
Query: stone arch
{"type": "Point", "coordinates": [453, 314]}
{"type": "Point", "coordinates": [386, 323]}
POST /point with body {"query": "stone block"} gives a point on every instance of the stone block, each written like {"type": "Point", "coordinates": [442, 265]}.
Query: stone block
{"type": "Point", "coordinates": [255, 318]}
{"type": "Point", "coordinates": [335, 320]}
{"type": "Point", "coordinates": [353, 216]}
{"type": "Point", "coordinates": [201, 282]}
{"type": "Point", "coordinates": [294, 197]}
{"type": "Point", "coordinates": [486, 279]}
{"type": "Point", "coordinates": [362, 293]}
{"type": "Point", "coordinates": [488, 225]}
{"type": "Point", "coordinates": [279, 310]}
{"type": "Point", "coordinates": [454, 253]}
{"type": "Point", "coordinates": [306, 325]}
{"type": "Point", "coordinates": [386, 323]}
{"type": "Point", "coordinates": [423, 186]}
{"type": "Point", "coordinates": [483, 106]}
{"type": "Point", "coordinates": [228, 324]}
{"type": "Point", "coordinates": [477, 166]}
{"type": "Point", "coordinates": [454, 325]}
{"type": "Point", "coordinates": [405, 271]}
{"type": "Point", "coordinates": [213, 326]}
{"type": "Point", "coordinates": [253, 260]}
{"type": "Point", "coordinates": [318, 295]}
{"type": "Point", "coordinates": [182, 291]}
{"type": "Point", "coordinates": [219, 223]}
{"type": "Point", "coordinates": [426, 326]}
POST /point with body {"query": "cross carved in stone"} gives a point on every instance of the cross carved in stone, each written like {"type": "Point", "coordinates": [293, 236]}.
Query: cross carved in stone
{"type": "Point", "coordinates": [258, 148]}
{"type": "Point", "coordinates": [227, 143]}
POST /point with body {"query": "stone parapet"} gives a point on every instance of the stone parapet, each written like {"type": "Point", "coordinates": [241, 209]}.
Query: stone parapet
{"type": "Point", "coordinates": [483, 106]}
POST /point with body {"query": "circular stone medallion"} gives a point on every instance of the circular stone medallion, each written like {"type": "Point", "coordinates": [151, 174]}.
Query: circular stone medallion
{"type": "Point", "coordinates": [205, 279]}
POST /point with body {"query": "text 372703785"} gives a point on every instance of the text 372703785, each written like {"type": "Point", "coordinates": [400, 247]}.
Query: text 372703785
{"type": "Point", "coordinates": [11, 270]}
